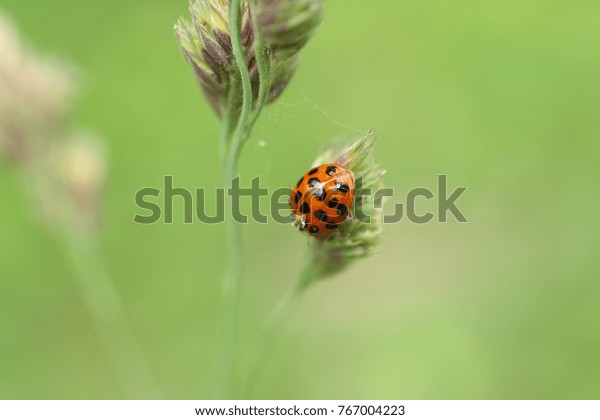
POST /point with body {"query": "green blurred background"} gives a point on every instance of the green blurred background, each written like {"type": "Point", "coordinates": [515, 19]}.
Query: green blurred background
{"type": "Point", "coordinates": [504, 97]}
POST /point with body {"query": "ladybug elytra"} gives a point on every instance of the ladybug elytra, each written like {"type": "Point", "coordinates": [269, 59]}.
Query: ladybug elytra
{"type": "Point", "coordinates": [322, 199]}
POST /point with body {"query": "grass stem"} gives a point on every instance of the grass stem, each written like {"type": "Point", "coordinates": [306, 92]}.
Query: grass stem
{"type": "Point", "coordinates": [276, 321]}
{"type": "Point", "coordinates": [109, 317]}
{"type": "Point", "coordinates": [264, 73]}
{"type": "Point", "coordinates": [232, 278]}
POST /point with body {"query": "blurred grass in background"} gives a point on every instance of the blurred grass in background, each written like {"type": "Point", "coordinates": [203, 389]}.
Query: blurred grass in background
{"type": "Point", "coordinates": [503, 97]}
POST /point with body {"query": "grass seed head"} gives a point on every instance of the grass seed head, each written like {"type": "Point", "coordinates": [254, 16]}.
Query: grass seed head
{"type": "Point", "coordinates": [283, 27]}
{"type": "Point", "coordinates": [358, 237]}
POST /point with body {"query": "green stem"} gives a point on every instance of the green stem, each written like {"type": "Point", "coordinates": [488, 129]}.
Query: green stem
{"type": "Point", "coordinates": [264, 73]}
{"type": "Point", "coordinates": [109, 317]}
{"type": "Point", "coordinates": [231, 280]}
{"type": "Point", "coordinates": [98, 292]}
{"type": "Point", "coordinates": [276, 321]}
{"type": "Point", "coordinates": [226, 123]}
{"type": "Point", "coordinates": [240, 59]}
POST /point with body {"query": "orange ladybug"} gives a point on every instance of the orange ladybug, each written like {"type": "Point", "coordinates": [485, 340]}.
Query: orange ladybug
{"type": "Point", "coordinates": [322, 199]}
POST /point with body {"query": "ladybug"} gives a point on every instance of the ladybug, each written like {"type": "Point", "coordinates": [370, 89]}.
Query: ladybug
{"type": "Point", "coordinates": [322, 199]}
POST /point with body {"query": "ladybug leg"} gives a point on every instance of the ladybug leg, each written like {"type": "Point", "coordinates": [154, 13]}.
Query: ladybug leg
{"type": "Point", "coordinates": [300, 223]}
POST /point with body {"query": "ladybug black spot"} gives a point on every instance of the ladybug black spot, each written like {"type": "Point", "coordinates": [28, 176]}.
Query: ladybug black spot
{"type": "Point", "coordinates": [313, 182]}
{"type": "Point", "coordinates": [332, 203]}
{"type": "Point", "coordinates": [342, 187]}
{"type": "Point", "coordinates": [330, 170]}
{"type": "Point", "coordinates": [342, 208]}
{"type": "Point", "coordinates": [314, 229]}
{"type": "Point", "coordinates": [299, 182]}
{"type": "Point", "coordinates": [297, 196]}
{"type": "Point", "coordinates": [320, 214]}
{"type": "Point", "coordinates": [305, 208]}
{"type": "Point", "coordinates": [314, 171]}
{"type": "Point", "coordinates": [320, 194]}
{"type": "Point", "coordinates": [331, 226]}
